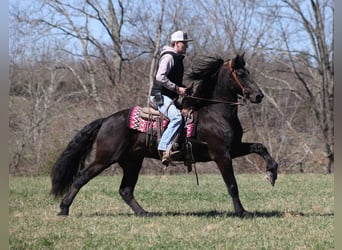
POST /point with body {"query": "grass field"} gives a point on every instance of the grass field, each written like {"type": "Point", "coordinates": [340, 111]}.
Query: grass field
{"type": "Point", "coordinates": [297, 213]}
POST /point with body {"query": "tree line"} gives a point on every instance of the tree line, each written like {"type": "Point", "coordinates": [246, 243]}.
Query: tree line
{"type": "Point", "coordinates": [74, 61]}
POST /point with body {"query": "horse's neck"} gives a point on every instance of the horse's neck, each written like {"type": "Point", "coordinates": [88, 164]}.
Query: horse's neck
{"type": "Point", "coordinates": [220, 109]}
{"type": "Point", "coordinates": [225, 97]}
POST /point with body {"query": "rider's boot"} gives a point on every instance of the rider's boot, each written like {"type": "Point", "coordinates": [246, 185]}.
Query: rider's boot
{"type": "Point", "coordinates": [169, 155]}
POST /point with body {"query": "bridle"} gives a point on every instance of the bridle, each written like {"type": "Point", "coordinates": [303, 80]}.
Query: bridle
{"type": "Point", "coordinates": [228, 65]}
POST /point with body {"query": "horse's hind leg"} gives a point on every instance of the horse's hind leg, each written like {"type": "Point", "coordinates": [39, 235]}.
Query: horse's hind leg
{"type": "Point", "coordinates": [258, 148]}
{"type": "Point", "coordinates": [83, 178]}
{"type": "Point", "coordinates": [131, 168]}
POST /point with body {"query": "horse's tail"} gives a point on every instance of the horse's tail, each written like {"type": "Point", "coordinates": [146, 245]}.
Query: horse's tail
{"type": "Point", "coordinates": [72, 158]}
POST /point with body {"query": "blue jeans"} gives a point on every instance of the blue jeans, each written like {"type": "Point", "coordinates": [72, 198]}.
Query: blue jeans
{"type": "Point", "coordinates": [175, 117]}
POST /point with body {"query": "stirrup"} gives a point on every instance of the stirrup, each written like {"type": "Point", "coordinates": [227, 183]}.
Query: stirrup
{"type": "Point", "coordinates": [169, 156]}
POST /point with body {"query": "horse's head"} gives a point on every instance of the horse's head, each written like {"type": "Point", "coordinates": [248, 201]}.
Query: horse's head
{"type": "Point", "coordinates": [223, 81]}
{"type": "Point", "coordinates": [244, 85]}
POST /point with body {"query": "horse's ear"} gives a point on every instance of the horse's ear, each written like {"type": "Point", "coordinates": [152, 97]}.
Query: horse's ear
{"type": "Point", "coordinates": [238, 56]}
{"type": "Point", "coordinates": [238, 61]}
{"type": "Point", "coordinates": [235, 61]}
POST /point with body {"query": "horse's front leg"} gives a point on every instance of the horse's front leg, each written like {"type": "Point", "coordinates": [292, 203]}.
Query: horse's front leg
{"type": "Point", "coordinates": [258, 148]}
{"type": "Point", "coordinates": [224, 163]}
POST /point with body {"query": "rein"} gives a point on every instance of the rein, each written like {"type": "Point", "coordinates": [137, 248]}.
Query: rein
{"type": "Point", "coordinates": [214, 100]}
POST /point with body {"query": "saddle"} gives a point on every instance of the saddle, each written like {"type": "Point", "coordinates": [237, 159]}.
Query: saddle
{"type": "Point", "coordinates": [147, 120]}
{"type": "Point", "coordinates": [150, 121]}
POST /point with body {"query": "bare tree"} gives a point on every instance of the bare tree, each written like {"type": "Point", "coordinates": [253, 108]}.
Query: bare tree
{"type": "Point", "coordinates": [313, 66]}
{"type": "Point", "coordinates": [111, 19]}
{"type": "Point", "coordinates": [32, 121]}
{"type": "Point", "coordinates": [105, 53]}
{"type": "Point", "coordinates": [156, 49]}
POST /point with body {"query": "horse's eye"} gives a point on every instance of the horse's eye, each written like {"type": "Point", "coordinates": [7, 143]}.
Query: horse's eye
{"type": "Point", "coordinates": [241, 73]}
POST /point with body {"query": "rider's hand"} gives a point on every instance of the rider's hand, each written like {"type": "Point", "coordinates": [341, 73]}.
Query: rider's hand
{"type": "Point", "coordinates": [181, 90]}
{"type": "Point", "coordinates": [189, 90]}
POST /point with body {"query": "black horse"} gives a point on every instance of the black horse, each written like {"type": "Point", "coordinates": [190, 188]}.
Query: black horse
{"type": "Point", "coordinates": [218, 137]}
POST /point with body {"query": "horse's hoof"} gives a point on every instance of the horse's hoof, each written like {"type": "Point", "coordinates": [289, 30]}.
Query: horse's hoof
{"type": "Point", "coordinates": [245, 215]}
{"type": "Point", "coordinates": [63, 212]}
{"type": "Point", "coordinates": [271, 177]}
{"type": "Point", "coordinates": [152, 214]}
{"type": "Point", "coordinates": [144, 214]}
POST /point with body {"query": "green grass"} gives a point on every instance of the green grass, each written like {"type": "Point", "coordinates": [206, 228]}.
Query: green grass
{"type": "Point", "coordinates": [295, 214]}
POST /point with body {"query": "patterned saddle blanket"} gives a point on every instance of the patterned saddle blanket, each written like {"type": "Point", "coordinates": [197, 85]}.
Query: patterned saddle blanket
{"type": "Point", "coordinates": [150, 121]}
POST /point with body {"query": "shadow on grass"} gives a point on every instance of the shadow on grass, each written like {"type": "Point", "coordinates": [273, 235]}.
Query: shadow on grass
{"type": "Point", "coordinates": [215, 213]}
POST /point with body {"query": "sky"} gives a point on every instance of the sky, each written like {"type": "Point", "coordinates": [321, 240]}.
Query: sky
{"type": "Point", "coordinates": [299, 41]}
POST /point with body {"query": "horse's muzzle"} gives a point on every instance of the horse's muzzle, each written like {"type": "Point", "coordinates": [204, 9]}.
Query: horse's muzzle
{"type": "Point", "coordinates": [256, 98]}
{"type": "Point", "coordinates": [259, 97]}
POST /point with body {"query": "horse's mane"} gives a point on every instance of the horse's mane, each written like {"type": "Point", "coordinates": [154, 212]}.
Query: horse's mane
{"type": "Point", "coordinates": [205, 73]}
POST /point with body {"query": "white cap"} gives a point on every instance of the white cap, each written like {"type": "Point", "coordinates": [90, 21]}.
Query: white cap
{"type": "Point", "coordinates": [180, 36]}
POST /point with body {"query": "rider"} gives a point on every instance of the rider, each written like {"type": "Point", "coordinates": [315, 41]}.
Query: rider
{"type": "Point", "coordinates": [167, 86]}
